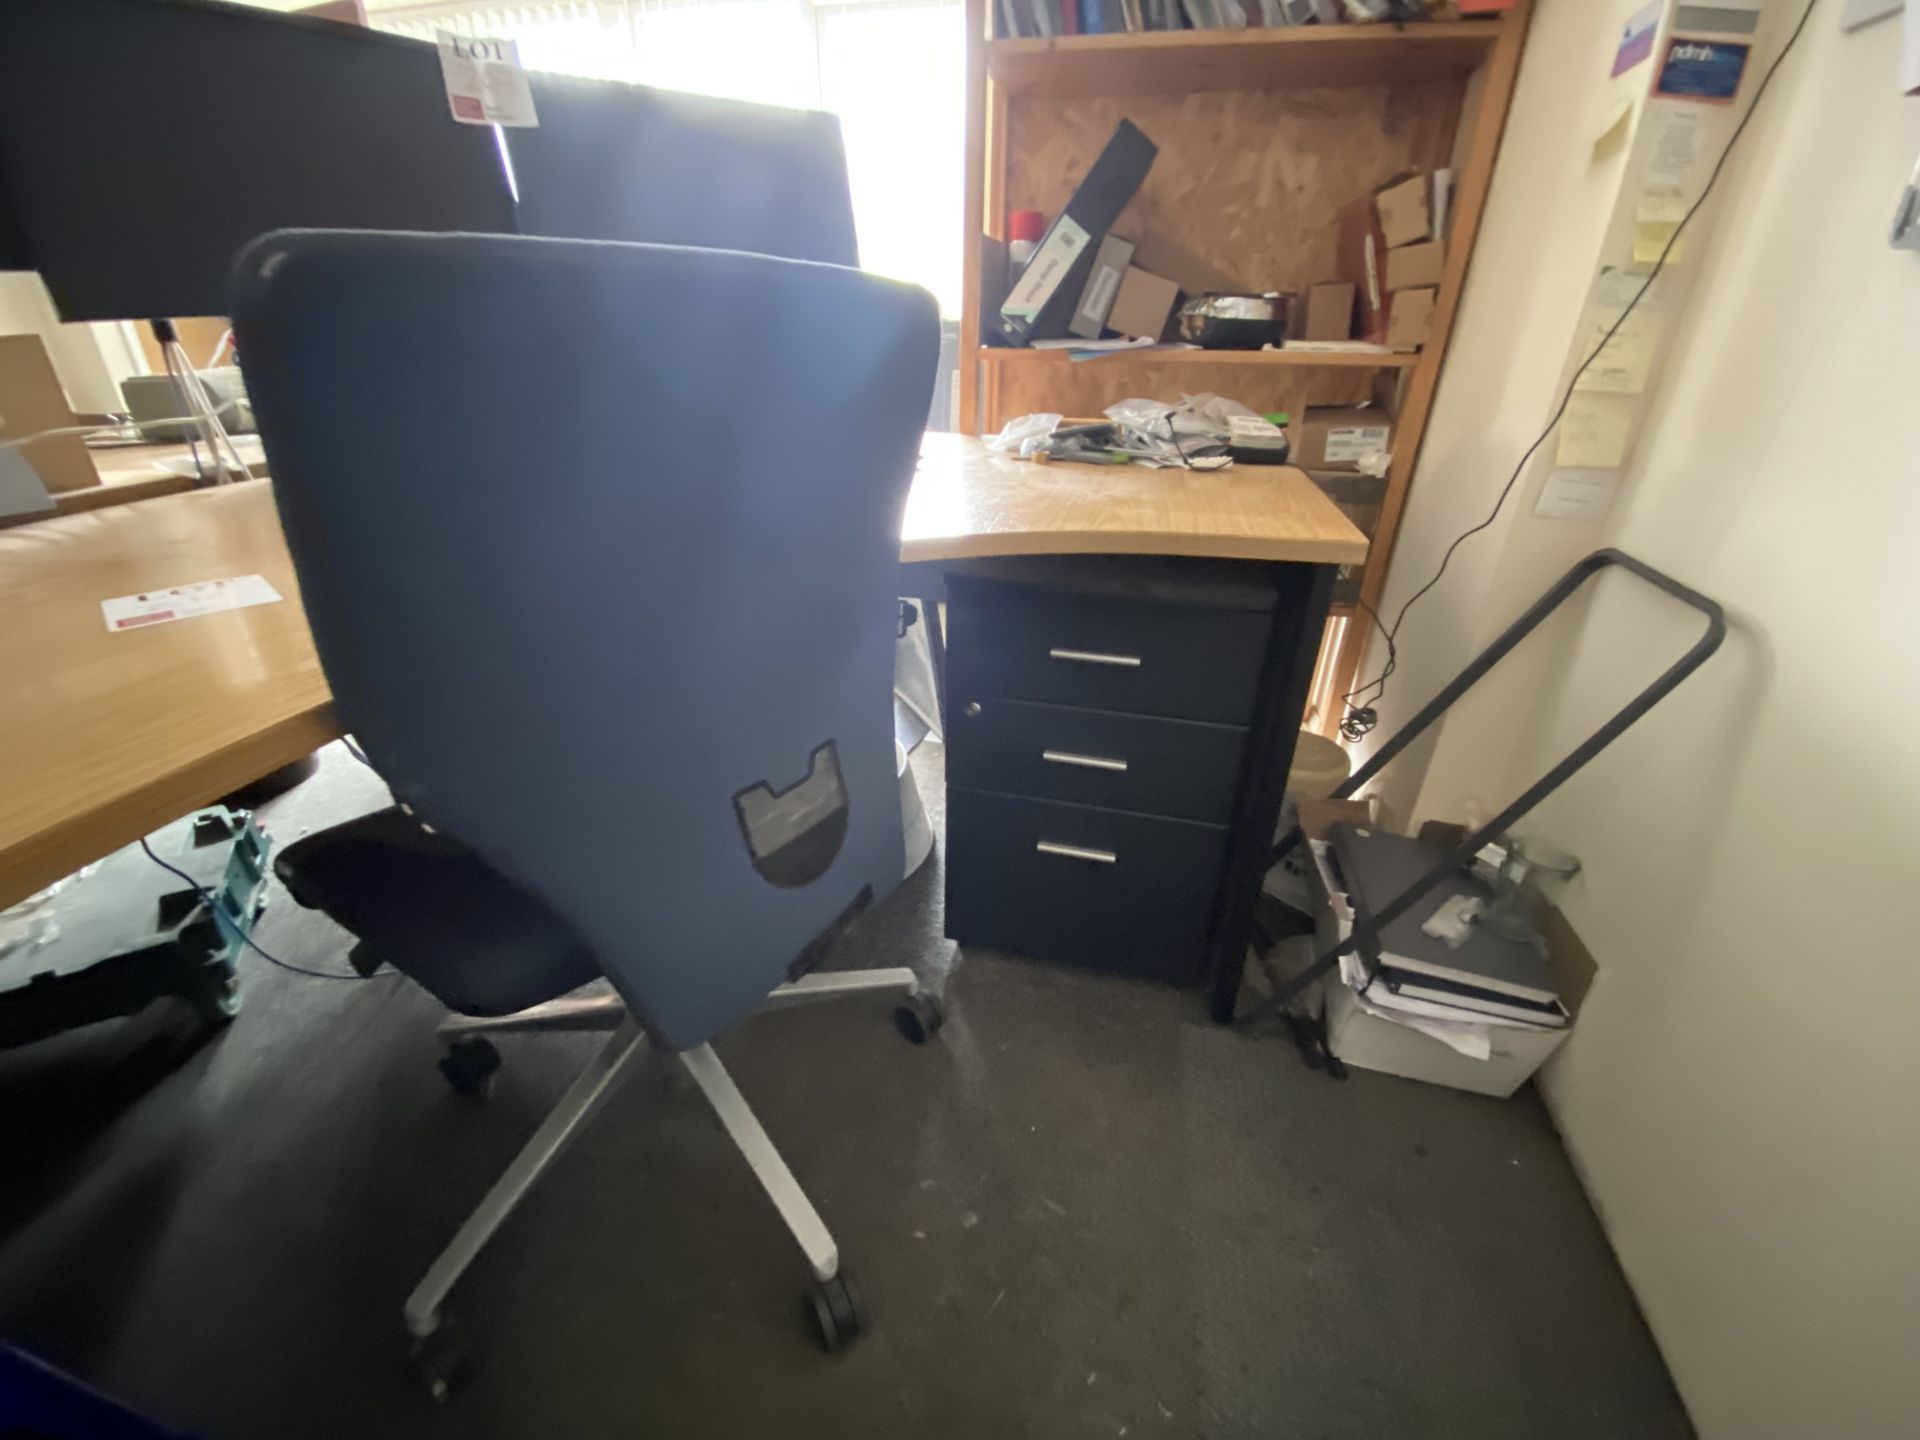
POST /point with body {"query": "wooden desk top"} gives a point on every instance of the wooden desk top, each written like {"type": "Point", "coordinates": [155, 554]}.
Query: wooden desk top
{"type": "Point", "coordinates": [968, 502]}
{"type": "Point", "coordinates": [105, 737]}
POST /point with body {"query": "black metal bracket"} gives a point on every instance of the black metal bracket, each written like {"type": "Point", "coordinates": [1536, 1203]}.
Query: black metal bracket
{"type": "Point", "coordinates": [1476, 669]}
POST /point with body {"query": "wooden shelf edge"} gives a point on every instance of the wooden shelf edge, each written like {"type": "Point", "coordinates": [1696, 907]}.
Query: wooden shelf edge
{"type": "Point", "coordinates": [1299, 359]}
{"type": "Point", "coordinates": [1334, 55]}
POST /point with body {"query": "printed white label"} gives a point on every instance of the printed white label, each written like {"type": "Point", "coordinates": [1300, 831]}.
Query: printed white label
{"type": "Point", "coordinates": [1046, 270]}
{"type": "Point", "coordinates": [1098, 300]}
{"type": "Point", "coordinates": [485, 84]}
{"type": "Point", "coordinates": [1349, 444]}
{"type": "Point", "coordinates": [184, 602]}
{"type": "Point", "coordinates": [1577, 494]}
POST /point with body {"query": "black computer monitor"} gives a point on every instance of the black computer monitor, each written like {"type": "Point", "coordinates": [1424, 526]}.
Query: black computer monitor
{"type": "Point", "coordinates": [626, 162]}
{"type": "Point", "coordinates": [146, 141]}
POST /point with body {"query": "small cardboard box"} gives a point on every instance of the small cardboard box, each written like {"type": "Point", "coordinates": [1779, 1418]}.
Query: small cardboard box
{"type": "Point", "coordinates": [1406, 210]}
{"type": "Point", "coordinates": [1339, 437]}
{"type": "Point", "coordinates": [1158, 255]}
{"type": "Point", "coordinates": [1415, 265]}
{"type": "Point", "coordinates": [1409, 318]}
{"type": "Point", "coordinates": [1329, 311]}
{"type": "Point", "coordinates": [1144, 304]}
{"type": "Point", "coordinates": [1374, 1043]}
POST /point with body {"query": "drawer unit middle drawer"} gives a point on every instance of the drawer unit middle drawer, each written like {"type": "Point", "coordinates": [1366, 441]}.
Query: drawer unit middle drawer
{"type": "Point", "coordinates": [1127, 654]}
{"type": "Point", "coordinates": [1181, 768]}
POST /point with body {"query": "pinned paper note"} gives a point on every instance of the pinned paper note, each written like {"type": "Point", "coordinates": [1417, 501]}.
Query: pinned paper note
{"type": "Point", "coordinates": [485, 82]}
{"type": "Point", "coordinates": [1577, 494]}
{"type": "Point", "coordinates": [1677, 150]}
{"type": "Point", "coordinates": [1624, 362]}
{"type": "Point", "coordinates": [184, 602]}
{"type": "Point", "coordinates": [1615, 289]}
{"type": "Point", "coordinates": [1656, 241]}
{"type": "Point", "coordinates": [1594, 432]}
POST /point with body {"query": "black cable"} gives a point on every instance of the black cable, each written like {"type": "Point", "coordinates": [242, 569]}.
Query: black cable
{"type": "Point", "coordinates": [1362, 718]}
{"type": "Point", "coordinates": [220, 916]}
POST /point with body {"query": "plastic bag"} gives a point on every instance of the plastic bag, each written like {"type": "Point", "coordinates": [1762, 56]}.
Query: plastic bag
{"type": "Point", "coordinates": [1022, 435]}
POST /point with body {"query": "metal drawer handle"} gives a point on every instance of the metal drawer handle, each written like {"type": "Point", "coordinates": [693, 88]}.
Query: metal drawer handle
{"type": "Point", "coordinates": [1096, 657]}
{"type": "Point", "coordinates": [1086, 762]}
{"type": "Point", "coordinates": [1075, 852]}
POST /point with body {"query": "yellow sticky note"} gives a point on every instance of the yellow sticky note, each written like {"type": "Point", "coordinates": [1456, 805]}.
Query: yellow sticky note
{"type": "Point", "coordinates": [1594, 432]}
{"type": "Point", "coordinates": [1650, 239]}
{"type": "Point", "coordinates": [1622, 366]}
{"type": "Point", "coordinates": [1661, 205]}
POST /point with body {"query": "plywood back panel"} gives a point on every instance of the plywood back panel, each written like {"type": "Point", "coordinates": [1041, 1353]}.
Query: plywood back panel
{"type": "Point", "coordinates": [1088, 388]}
{"type": "Point", "coordinates": [1250, 180]}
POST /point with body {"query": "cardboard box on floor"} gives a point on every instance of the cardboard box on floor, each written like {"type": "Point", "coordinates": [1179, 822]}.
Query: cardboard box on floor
{"type": "Point", "coordinates": [1376, 1044]}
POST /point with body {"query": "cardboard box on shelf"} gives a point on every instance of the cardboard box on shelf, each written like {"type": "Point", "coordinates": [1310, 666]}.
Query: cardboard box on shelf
{"type": "Point", "coordinates": [1375, 1043]}
{"type": "Point", "coordinates": [1339, 437]}
{"type": "Point", "coordinates": [1144, 304]}
{"type": "Point", "coordinates": [1416, 264]}
{"type": "Point", "coordinates": [1405, 209]}
{"type": "Point", "coordinates": [1158, 255]}
{"type": "Point", "coordinates": [1103, 285]}
{"type": "Point", "coordinates": [1409, 318]}
{"type": "Point", "coordinates": [1329, 311]}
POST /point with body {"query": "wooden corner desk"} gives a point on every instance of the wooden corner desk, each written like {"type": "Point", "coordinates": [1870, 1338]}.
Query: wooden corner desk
{"type": "Point", "coordinates": [106, 737]}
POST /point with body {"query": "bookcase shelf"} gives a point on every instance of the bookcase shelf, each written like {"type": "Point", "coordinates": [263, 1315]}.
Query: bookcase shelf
{"type": "Point", "coordinates": [1263, 134]}
{"type": "Point", "coordinates": [1311, 359]}
{"type": "Point", "coordinates": [1185, 61]}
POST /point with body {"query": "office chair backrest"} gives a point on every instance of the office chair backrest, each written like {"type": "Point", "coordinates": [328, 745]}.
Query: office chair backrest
{"type": "Point", "coordinates": [599, 544]}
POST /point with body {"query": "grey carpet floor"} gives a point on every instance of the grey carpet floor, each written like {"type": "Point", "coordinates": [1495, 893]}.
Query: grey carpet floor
{"type": "Point", "coordinates": [1083, 1213]}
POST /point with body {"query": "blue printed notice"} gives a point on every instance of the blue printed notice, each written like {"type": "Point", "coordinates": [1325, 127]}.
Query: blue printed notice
{"type": "Point", "coordinates": [1702, 70]}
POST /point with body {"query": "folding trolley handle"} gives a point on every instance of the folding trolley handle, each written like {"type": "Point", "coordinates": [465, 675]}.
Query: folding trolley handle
{"type": "Point", "coordinates": [1709, 642]}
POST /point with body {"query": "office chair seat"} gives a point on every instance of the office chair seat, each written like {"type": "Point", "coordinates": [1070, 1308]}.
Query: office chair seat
{"type": "Point", "coordinates": [425, 904]}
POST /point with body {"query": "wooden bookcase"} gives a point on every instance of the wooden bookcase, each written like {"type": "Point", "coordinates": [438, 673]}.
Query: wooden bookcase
{"type": "Point", "coordinates": [1264, 134]}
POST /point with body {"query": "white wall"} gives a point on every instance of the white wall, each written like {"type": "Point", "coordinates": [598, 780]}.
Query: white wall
{"type": "Point", "coordinates": [1740, 1094]}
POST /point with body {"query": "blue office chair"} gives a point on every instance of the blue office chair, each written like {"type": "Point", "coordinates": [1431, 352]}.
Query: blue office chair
{"type": "Point", "coordinates": [599, 545]}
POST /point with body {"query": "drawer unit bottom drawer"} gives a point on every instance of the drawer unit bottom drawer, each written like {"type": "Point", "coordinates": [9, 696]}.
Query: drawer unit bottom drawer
{"type": "Point", "coordinates": [1094, 887]}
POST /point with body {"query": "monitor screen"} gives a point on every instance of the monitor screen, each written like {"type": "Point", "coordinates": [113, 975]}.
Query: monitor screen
{"type": "Point", "coordinates": [625, 162]}
{"type": "Point", "coordinates": [146, 141]}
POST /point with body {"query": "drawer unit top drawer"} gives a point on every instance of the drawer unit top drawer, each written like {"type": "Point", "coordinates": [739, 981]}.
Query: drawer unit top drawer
{"type": "Point", "coordinates": [1134, 656]}
{"type": "Point", "coordinates": [1093, 887]}
{"type": "Point", "coordinates": [1151, 766]}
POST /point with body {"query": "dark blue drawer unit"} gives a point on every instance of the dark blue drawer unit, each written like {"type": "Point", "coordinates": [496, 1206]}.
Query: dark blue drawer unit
{"type": "Point", "coordinates": [1118, 737]}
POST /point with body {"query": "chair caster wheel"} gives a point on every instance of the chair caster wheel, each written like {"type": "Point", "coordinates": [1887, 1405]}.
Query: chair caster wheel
{"type": "Point", "coordinates": [364, 962]}
{"type": "Point", "coordinates": [836, 1312]}
{"type": "Point", "coordinates": [918, 1016]}
{"type": "Point", "coordinates": [443, 1360]}
{"type": "Point", "coordinates": [469, 1065]}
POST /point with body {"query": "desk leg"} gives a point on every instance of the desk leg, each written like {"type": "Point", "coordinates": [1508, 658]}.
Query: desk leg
{"type": "Point", "coordinates": [1293, 650]}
